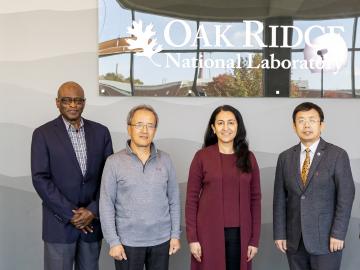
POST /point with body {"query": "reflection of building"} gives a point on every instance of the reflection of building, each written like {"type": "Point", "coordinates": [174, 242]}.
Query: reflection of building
{"type": "Point", "coordinates": [114, 88]}
{"type": "Point", "coordinates": [301, 84]}
{"type": "Point", "coordinates": [300, 88]}
{"type": "Point", "coordinates": [114, 46]}
{"type": "Point", "coordinates": [179, 89]}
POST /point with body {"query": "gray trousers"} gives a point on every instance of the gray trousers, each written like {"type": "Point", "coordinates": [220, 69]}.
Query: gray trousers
{"type": "Point", "coordinates": [81, 255]}
{"type": "Point", "coordinates": [302, 260]}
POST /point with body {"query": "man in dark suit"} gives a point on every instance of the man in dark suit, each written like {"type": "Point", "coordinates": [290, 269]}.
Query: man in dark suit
{"type": "Point", "coordinates": [313, 195]}
{"type": "Point", "coordinates": [67, 158]}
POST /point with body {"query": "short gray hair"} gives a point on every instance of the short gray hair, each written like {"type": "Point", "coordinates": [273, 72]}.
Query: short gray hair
{"type": "Point", "coordinates": [142, 107]}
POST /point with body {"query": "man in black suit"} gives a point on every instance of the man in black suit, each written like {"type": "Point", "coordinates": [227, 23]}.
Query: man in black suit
{"type": "Point", "coordinates": [313, 195]}
{"type": "Point", "coordinates": [67, 158]}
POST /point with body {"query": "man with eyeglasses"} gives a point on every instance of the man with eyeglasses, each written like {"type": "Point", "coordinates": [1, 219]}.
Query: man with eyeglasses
{"type": "Point", "coordinates": [313, 196]}
{"type": "Point", "coordinates": [139, 199]}
{"type": "Point", "coordinates": [67, 158]}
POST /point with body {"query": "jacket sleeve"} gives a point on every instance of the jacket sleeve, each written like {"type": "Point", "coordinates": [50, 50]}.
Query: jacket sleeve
{"type": "Point", "coordinates": [93, 206]}
{"type": "Point", "coordinates": [255, 203]}
{"type": "Point", "coordinates": [194, 187]}
{"type": "Point", "coordinates": [49, 193]}
{"type": "Point", "coordinates": [279, 203]}
{"type": "Point", "coordinates": [345, 192]}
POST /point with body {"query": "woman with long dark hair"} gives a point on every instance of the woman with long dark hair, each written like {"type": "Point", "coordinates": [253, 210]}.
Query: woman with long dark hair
{"type": "Point", "coordinates": [223, 202]}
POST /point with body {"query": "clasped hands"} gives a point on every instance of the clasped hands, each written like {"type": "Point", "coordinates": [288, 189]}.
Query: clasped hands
{"type": "Point", "coordinates": [82, 219]}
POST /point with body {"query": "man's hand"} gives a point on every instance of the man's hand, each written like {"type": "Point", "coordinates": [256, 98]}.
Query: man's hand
{"type": "Point", "coordinates": [174, 246]}
{"type": "Point", "coordinates": [281, 245]}
{"type": "Point", "coordinates": [82, 218]}
{"type": "Point", "coordinates": [195, 250]}
{"type": "Point", "coordinates": [336, 244]}
{"type": "Point", "coordinates": [118, 252]}
{"type": "Point", "coordinates": [251, 253]}
{"type": "Point", "coordinates": [87, 229]}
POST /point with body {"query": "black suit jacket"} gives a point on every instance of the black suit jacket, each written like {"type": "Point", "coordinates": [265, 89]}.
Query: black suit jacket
{"type": "Point", "coordinates": [58, 180]}
{"type": "Point", "coordinates": [320, 209]}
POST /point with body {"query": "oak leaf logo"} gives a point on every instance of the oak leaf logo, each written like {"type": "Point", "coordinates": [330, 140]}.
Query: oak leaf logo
{"type": "Point", "coordinates": [143, 40]}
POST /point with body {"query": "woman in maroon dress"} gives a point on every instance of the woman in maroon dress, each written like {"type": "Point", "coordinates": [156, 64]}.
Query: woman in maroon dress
{"type": "Point", "coordinates": [223, 201]}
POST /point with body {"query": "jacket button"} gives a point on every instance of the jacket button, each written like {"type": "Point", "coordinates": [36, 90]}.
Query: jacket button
{"type": "Point", "coordinates": [303, 197]}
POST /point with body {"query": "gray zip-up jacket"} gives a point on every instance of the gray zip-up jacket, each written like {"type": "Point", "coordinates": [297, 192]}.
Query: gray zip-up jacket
{"type": "Point", "coordinates": [139, 204]}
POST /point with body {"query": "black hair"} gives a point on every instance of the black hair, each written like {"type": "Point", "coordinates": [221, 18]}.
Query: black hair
{"type": "Point", "coordinates": [241, 146]}
{"type": "Point", "coordinates": [307, 106]}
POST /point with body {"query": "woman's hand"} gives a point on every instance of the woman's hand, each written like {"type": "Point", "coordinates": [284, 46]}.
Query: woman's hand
{"type": "Point", "coordinates": [195, 250]}
{"type": "Point", "coordinates": [251, 253]}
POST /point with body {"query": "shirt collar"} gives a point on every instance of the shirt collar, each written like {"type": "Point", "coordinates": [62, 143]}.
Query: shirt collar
{"type": "Point", "coordinates": [312, 147]}
{"type": "Point", "coordinates": [69, 126]}
{"type": "Point", "coordinates": [153, 149]}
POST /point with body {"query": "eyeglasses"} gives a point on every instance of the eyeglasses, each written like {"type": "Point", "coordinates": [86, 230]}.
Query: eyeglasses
{"type": "Point", "coordinates": [140, 126]}
{"type": "Point", "coordinates": [311, 122]}
{"type": "Point", "coordinates": [69, 100]}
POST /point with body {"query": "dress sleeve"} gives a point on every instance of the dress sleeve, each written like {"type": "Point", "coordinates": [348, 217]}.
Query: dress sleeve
{"type": "Point", "coordinates": [255, 204]}
{"type": "Point", "coordinates": [194, 187]}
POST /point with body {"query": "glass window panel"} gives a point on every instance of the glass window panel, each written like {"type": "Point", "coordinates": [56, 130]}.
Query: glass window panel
{"type": "Point", "coordinates": [114, 75]}
{"type": "Point", "coordinates": [113, 20]}
{"type": "Point", "coordinates": [303, 82]}
{"type": "Point", "coordinates": [348, 25]}
{"type": "Point", "coordinates": [167, 74]}
{"type": "Point", "coordinates": [233, 36]}
{"type": "Point", "coordinates": [358, 34]}
{"type": "Point", "coordinates": [221, 75]}
{"type": "Point", "coordinates": [339, 84]}
{"type": "Point", "coordinates": [357, 74]}
{"type": "Point", "coordinates": [177, 31]}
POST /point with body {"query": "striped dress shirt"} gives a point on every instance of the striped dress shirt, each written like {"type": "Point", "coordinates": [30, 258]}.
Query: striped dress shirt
{"type": "Point", "coordinates": [77, 137]}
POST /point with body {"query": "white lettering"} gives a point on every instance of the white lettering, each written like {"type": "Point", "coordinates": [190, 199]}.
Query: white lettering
{"type": "Point", "coordinates": [256, 35]}
{"type": "Point", "coordinates": [201, 34]}
{"type": "Point", "coordinates": [187, 33]}
{"type": "Point", "coordinates": [221, 36]}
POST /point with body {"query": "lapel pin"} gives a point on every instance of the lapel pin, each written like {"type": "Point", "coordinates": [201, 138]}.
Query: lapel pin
{"type": "Point", "coordinates": [318, 154]}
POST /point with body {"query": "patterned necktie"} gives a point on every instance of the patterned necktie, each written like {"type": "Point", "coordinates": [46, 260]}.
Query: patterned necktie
{"type": "Point", "coordinates": [305, 167]}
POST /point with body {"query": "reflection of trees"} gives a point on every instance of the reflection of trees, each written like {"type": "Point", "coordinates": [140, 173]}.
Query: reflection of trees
{"type": "Point", "coordinates": [111, 76]}
{"type": "Point", "coordinates": [294, 90]}
{"type": "Point", "coordinates": [243, 81]}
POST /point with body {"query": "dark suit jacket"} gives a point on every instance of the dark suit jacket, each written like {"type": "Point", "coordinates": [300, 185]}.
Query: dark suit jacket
{"type": "Point", "coordinates": [58, 180]}
{"type": "Point", "coordinates": [320, 209]}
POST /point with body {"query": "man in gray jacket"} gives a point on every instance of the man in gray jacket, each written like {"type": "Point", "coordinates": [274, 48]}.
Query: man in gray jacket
{"type": "Point", "coordinates": [139, 199]}
{"type": "Point", "coordinates": [313, 196]}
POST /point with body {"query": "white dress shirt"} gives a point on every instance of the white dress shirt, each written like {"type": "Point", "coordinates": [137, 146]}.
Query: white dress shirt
{"type": "Point", "coordinates": [312, 152]}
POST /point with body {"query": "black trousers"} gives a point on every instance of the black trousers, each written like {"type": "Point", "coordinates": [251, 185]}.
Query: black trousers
{"type": "Point", "coordinates": [154, 258]}
{"type": "Point", "coordinates": [302, 260]}
{"type": "Point", "coordinates": [232, 248]}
